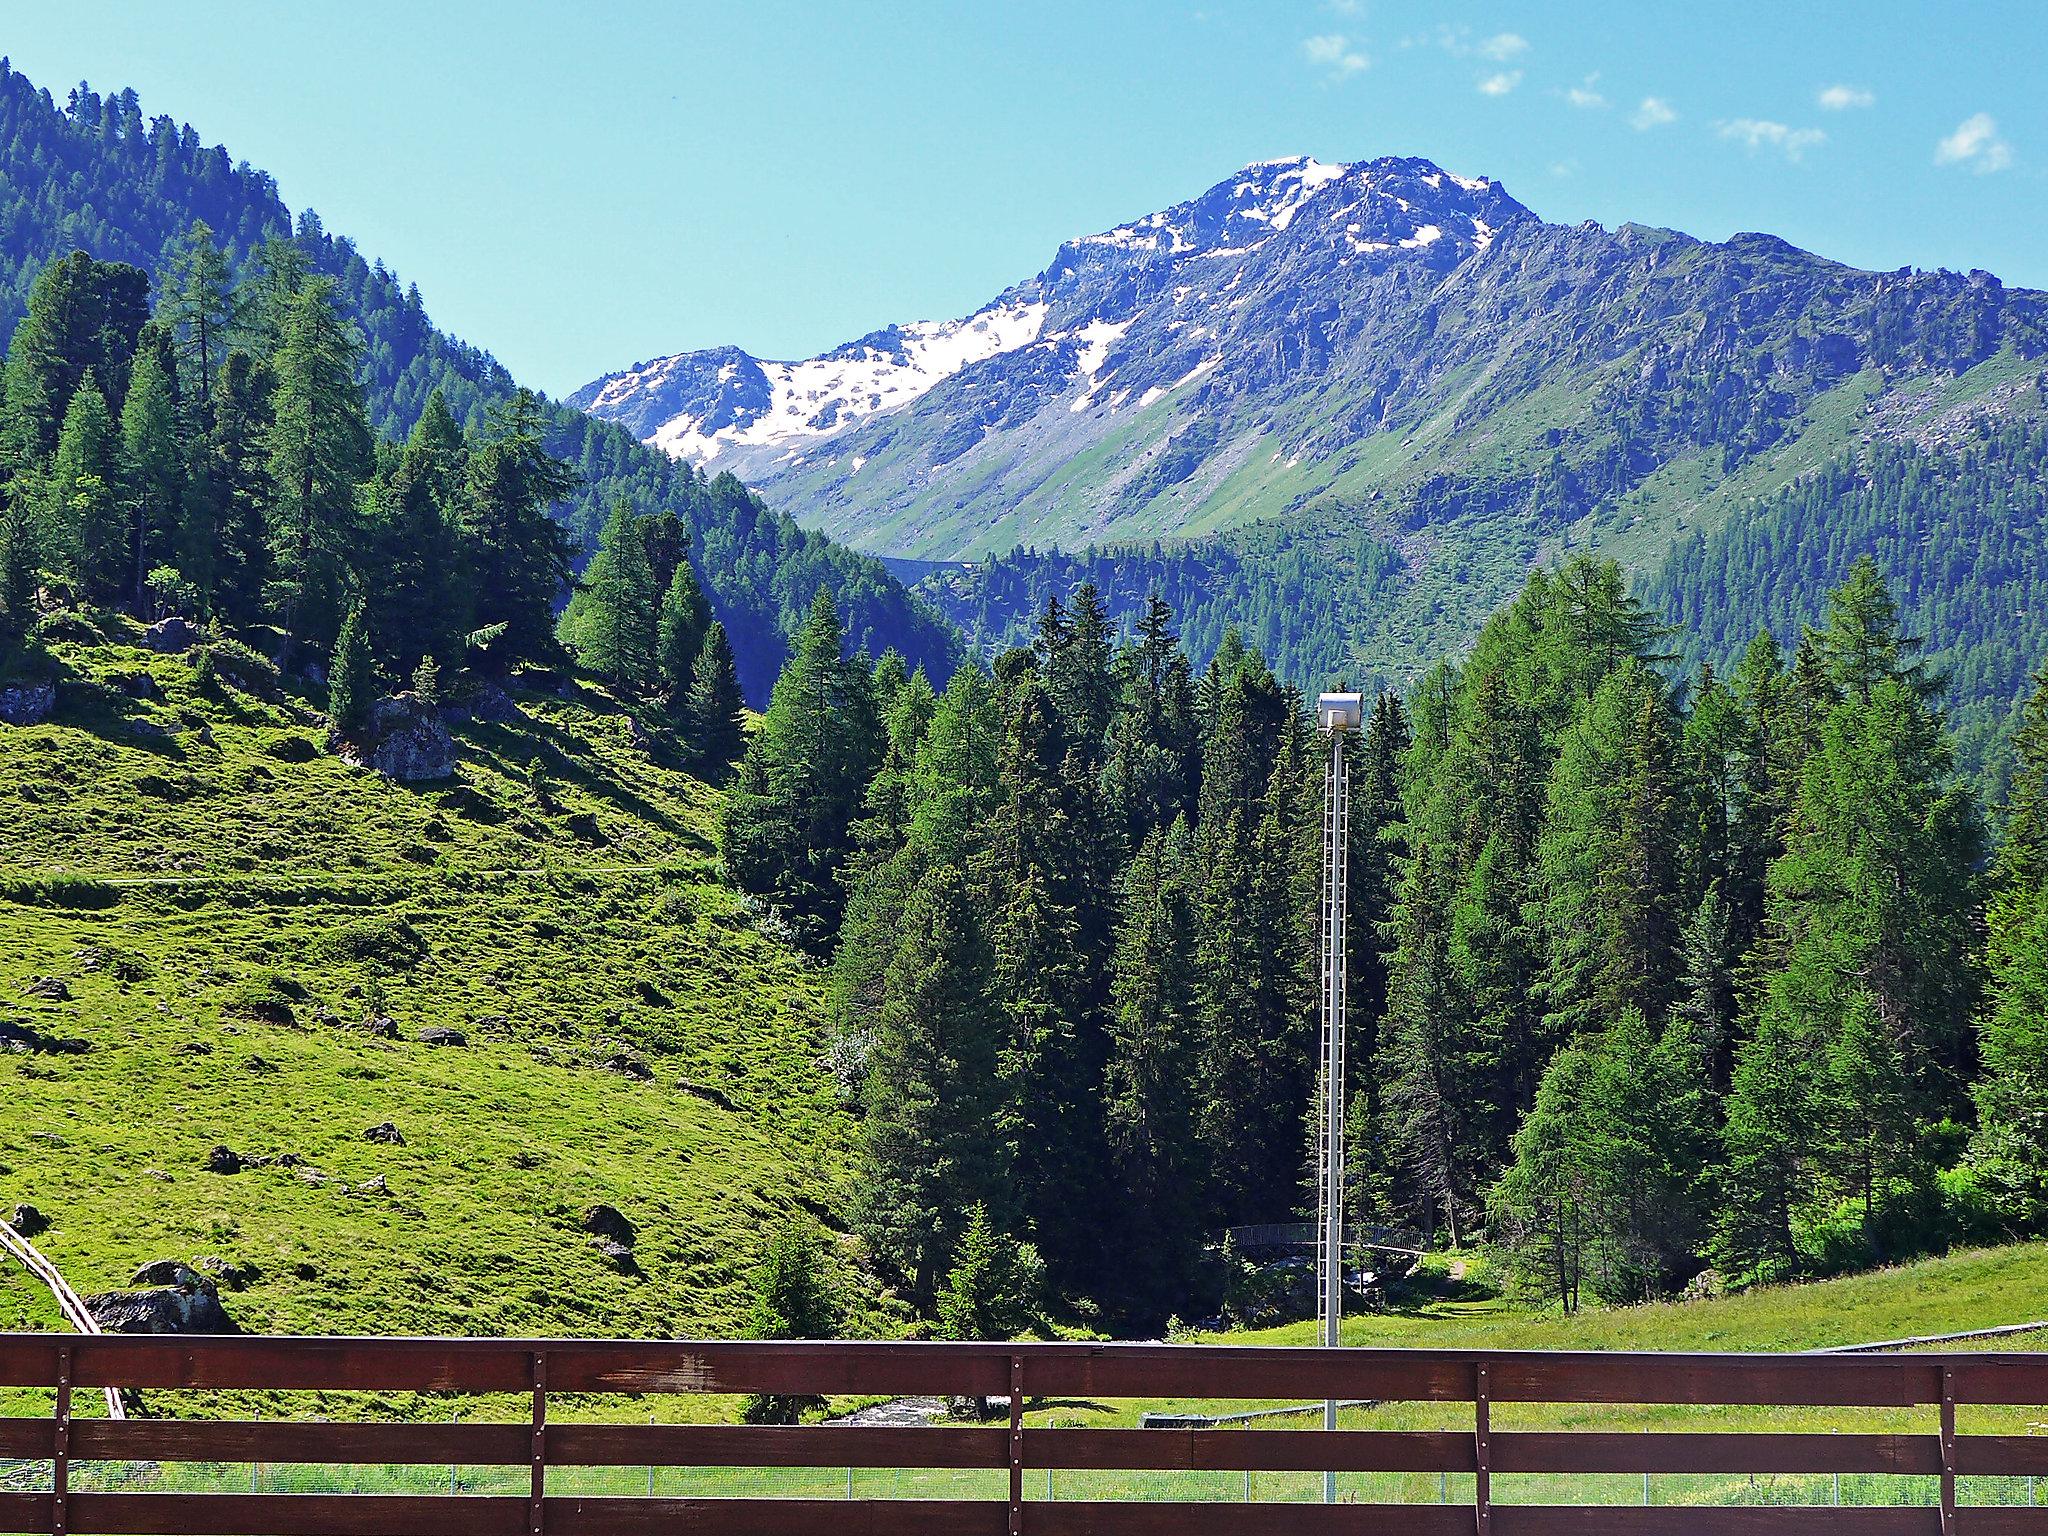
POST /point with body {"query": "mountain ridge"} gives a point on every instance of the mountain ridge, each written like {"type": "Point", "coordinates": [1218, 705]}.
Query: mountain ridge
{"type": "Point", "coordinates": [725, 406]}
{"type": "Point", "coordinates": [1385, 442]}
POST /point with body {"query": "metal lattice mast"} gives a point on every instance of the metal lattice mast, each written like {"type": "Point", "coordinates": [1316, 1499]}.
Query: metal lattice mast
{"type": "Point", "coordinates": [1339, 714]}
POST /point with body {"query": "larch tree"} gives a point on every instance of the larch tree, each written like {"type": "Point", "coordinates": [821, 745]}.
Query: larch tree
{"type": "Point", "coordinates": [319, 453]}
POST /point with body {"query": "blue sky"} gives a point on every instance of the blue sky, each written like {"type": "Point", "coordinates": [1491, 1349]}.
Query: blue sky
{"type": "Point", "coordinates": [580, 186]}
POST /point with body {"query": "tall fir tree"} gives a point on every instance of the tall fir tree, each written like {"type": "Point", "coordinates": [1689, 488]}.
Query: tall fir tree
{"type": "Point", "coordinates": [715, 709]}
{"type": "Point", "coordinates": [154, 469]}
{"type": "Point", "coordinates": [2011, 1143]}
{"type": "Point", "coordinates": [351, 679]}
{"type": "Point", "coordinates": [612, 623]}
{"type": "Point", "coordinates": [1151, 1093]}
{"type": "Point", "coordinates": [679, 634]}
{"type": "Point", "coordinates": [786, 826]}
{"type": "Point", "coordinates": [199, 307]}
{"type": "Point", "coordinates": [927, 1156]}
{"type": "Point", "coordinates": [319, 453]}
{"type": "Point", "coordinates": [84, 526]}
{"type": "Point", "coordinates": [418, 587]}
{"type": "Point", "coordinates": [520, 558]}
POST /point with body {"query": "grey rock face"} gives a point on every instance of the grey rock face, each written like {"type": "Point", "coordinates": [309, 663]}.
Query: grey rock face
{"type": "Point", "coordinates": [27, 703]}
{"type": "Point", "coordinates": [172, 635]}
{"type": "Point", "coordinates": [608, 1221]}
{"type": "Point", "coordinates": [408, 741]}
{"type": "Point", "coordinates": [184, 1308]}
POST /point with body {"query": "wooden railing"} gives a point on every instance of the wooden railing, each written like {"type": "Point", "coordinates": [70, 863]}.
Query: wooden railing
{"type": "Point", "coordinates": [542, 1370]}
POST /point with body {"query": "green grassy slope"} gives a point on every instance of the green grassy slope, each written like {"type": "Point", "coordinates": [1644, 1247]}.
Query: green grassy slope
{"type": "Point", "coordinates": [255, 900]}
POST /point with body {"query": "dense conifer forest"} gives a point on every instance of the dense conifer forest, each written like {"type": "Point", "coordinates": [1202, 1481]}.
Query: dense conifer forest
{"type": "Point", "coordinates": [1663, 976]}
{"type": "Point", "coordinates": [97, 176]}
{"type": "Point", "coordinates": [211, 462]}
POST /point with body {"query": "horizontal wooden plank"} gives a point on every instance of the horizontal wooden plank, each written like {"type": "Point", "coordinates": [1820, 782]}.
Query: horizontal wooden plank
{"type": "Point", "coordinates": [27, 1437]}
{"type": "Point", "coordinates": [1689, 1520]}
{"type": "Point", "coordinates": [721, 1445]}
{"type": "Point", "coordinates": [1582, 1451]}
{"type": "Point", "coordinates": [1230, 1518]}
{"type": "Point", "coordinates": [776, 1517]}
{"type": "Point", "coordinates": [1247, 1372]}
{"type": "Point", "coordinates": [2009, 1378]}
{"type": "Point", "coordinates": [24, 1512]}
{"type": "Point", "coordinates": [28, 1360]}
{"type": "Point", "coordinates": [1815, 1380]}
{"type": "Point", "coordinates": [2002, 1455]}
{"type": "Point", "coordinates": [273, 1514]}
{"type": "Point", "coordinates": [1260, 1450]}
{"type": "Point", "coordinates": [294, 1514]}
{"type": "Point", "coordinates": [778, 1445]}
{"type": "Point", "coordinates": [280, 1364]}
{"type": "Point", "coordinates": [472, 1445]}
{"type": "Point", "coordinates": [1100, 1370]}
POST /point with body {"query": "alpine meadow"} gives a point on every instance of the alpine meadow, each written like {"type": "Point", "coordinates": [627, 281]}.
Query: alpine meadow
{"type": "Point", "coordinates": [1349, 762]}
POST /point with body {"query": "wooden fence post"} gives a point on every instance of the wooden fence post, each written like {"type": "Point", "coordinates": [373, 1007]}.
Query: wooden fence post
{"type": "Point", "coordinates": [1482, 1450]}
{"type": "Point", "coordinates": [536, 1504]}
{"type": "Point", "coordinates": [1016, 1445]}
{"type": "Point", "coordinates": [60, 1457]}
{"type": "Point", "coordinates": [1948, 1450]}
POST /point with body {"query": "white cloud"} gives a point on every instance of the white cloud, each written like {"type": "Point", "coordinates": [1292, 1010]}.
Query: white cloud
{"type": "Point", "coordinates": [1840, 98]}
{"type": "Point", "coordinates": [1976, 144]}
{"type": "Point", "coordinates": [1584, 96]}
{"type": "Point", "coordinates": [1564, 168]}
{"type": "Point", "coordinates": [1500, 84]}
{"type": "Point", "coordinates": [1503, 46]}
{"type": "Point", "coordinates": [1760, 133]}
{"type": "Point", "coordinates": [1332, 51]}
{"type": "Point", "coordinates": [1655, 112]}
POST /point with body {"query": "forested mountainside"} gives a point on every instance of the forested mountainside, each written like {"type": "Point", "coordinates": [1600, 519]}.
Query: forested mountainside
{"type": "Point", "coordinates": [1653, 975]}
{"type": "Point", "coordinates": [1359, 403]}
{"type": "Point", "coordinates": [95, 175]}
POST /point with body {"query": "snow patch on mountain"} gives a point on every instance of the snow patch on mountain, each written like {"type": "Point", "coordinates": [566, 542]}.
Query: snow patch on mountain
{"type": "Point", "coordinates": [823, 395]}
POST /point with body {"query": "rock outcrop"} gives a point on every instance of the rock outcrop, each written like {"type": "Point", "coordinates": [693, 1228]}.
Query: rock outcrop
{"type": "Point", "coordinates": [172, 635]}
{"type": "Point", "coordinates": [172, 1298]}
{"type": "Point", "coordinates": [407, 740]}
{"type": "Point", "coordinates": [27, 703]}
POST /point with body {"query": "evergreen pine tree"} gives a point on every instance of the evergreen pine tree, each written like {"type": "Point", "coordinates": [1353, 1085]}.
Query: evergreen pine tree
{"type": "Point", "coordinates": [83, 524]}
{"type": "Point", "coordinates": [714, 709]}
{"type": "Point", "coordinates": [927, 1155]}
{"type": "Point", "coordinates": [519, 557]}
{"type": "Point", "coordinates": [319, 453]}
{"type": "Point", "coordinates": [154, 465]}
{"type": "Point", "coordinates": [199, 306]}
{"type": "Point", "coordinates": [416, 581]}
{"type": "Point", "coordinates": [786, 827]}
{"type": "Point", "coordinates": [1151, 1083]}
{"type": "Point", "coordinates": [351, 681]}
{"type": "Point", "coordinates": [685, 617]}
{"type": "Point", "coordinates": [20, 570]}
{"type": "Point", "coordinates": [1611, 857]}
{"type": "Point", "coordinates": [2011, 1144]}
{"type": "Point", "coordinates": [222, 544]}
{"type": "Point", "coordinates": [993, 1287]}
{"type": "Point", "coordinates": [83, 318]}
{"type": "Point", "coordinates": [611, 623]}
{"type": "Point", "coordinates": [795, 1296]}
{"type": "Point", "coordinates": [1152, 748]}
{"type": "Point", "coordinates": [1051, 930]}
